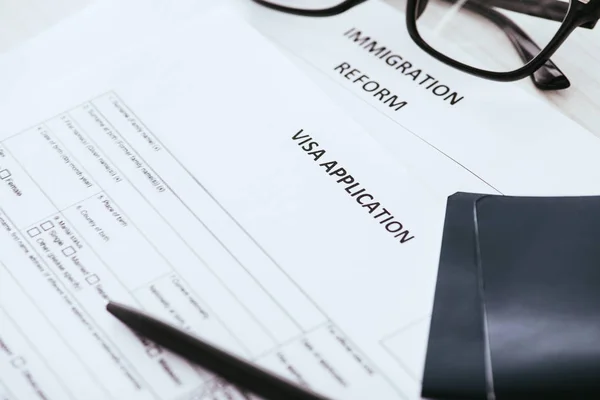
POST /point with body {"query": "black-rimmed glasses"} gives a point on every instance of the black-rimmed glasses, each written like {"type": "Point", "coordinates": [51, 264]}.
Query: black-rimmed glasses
{"type": "Point", "coordinates": [476, 36]}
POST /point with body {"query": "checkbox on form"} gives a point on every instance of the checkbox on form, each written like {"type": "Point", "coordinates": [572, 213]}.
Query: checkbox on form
{"type": "Point", "coordinates": [47, 225]}
{"type": "Point", "coordinates": [68, 251]}
{"type": "Point", "coordinates": [5, 174]}
{"type": "Point", "coordinates": [33, 232]}
{"type": "Point", "coordinates": [92, 279]}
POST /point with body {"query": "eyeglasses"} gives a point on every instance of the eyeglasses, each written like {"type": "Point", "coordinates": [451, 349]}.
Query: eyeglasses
{"type": "Point", "coordinates": [476, 36]}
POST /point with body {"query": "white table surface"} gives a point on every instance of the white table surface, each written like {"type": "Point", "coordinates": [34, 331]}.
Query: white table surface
{"type": "Point", "coordinates": [579, 58]}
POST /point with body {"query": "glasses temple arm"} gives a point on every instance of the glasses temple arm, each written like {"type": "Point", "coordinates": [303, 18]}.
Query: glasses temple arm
{"type": "Point", "coordinates": [548, 76]}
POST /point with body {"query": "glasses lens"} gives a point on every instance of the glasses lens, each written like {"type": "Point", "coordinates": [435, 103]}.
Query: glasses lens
{"type": "Point", "coordinates": [307, 4]}
{"type": "Point", "coordinates": [492, 35]}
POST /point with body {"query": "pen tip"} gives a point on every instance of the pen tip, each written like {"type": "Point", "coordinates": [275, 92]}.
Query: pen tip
{"type": "Point", "coordinates": [124, 313]}
{"type": "Point", "coordinates": [110, 307]}
{"type": "Point", "coordinates": [115, 309]}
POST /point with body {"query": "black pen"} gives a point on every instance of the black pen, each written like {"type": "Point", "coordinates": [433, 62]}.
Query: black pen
{"type": "Point", "coordinates": [229, 367]}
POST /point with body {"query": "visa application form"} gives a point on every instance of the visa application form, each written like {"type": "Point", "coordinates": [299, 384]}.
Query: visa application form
{"type": "Point", "coordinates": [210, 183]}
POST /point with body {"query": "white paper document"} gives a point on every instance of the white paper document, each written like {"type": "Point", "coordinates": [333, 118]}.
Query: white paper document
{"type": "Point", "coordinates": [212, 185]}
{"type": "Point", "coordinates": [456, 130]}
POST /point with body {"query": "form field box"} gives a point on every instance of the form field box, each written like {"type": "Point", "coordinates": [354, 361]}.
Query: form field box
{"type": "Point", "coordinates": [408, 346]}
{"type": "Point", "coordinates": [47, 225]}
{"type": "Point", "coordinates": [33, 232]}
{"type": "Point", "coordinates": [63, 180]}
{"type": "Point", "coordinates": [92, 279]}
{"type": "Point", "coordinates": [69, 251]}
{"type": "Point", "coordinates": [5, 174]}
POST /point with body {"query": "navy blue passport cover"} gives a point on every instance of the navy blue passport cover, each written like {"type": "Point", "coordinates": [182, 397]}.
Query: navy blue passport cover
{"type": "Point", "coordinates": [528, 269]}
{"type": "Point", "coordinates": [540, 264]}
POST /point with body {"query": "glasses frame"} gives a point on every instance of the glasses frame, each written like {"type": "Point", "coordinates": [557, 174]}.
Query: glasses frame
{"type": "Point", "coordinates": [581, 13]}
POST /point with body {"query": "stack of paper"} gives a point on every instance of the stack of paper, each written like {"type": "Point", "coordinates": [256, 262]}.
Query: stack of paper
{"type": "Point", "coordinates": [248, 190]}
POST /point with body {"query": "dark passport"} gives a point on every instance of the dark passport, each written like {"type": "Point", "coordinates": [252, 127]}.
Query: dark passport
{"type": "Point", "coordinates": [517, 303]}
